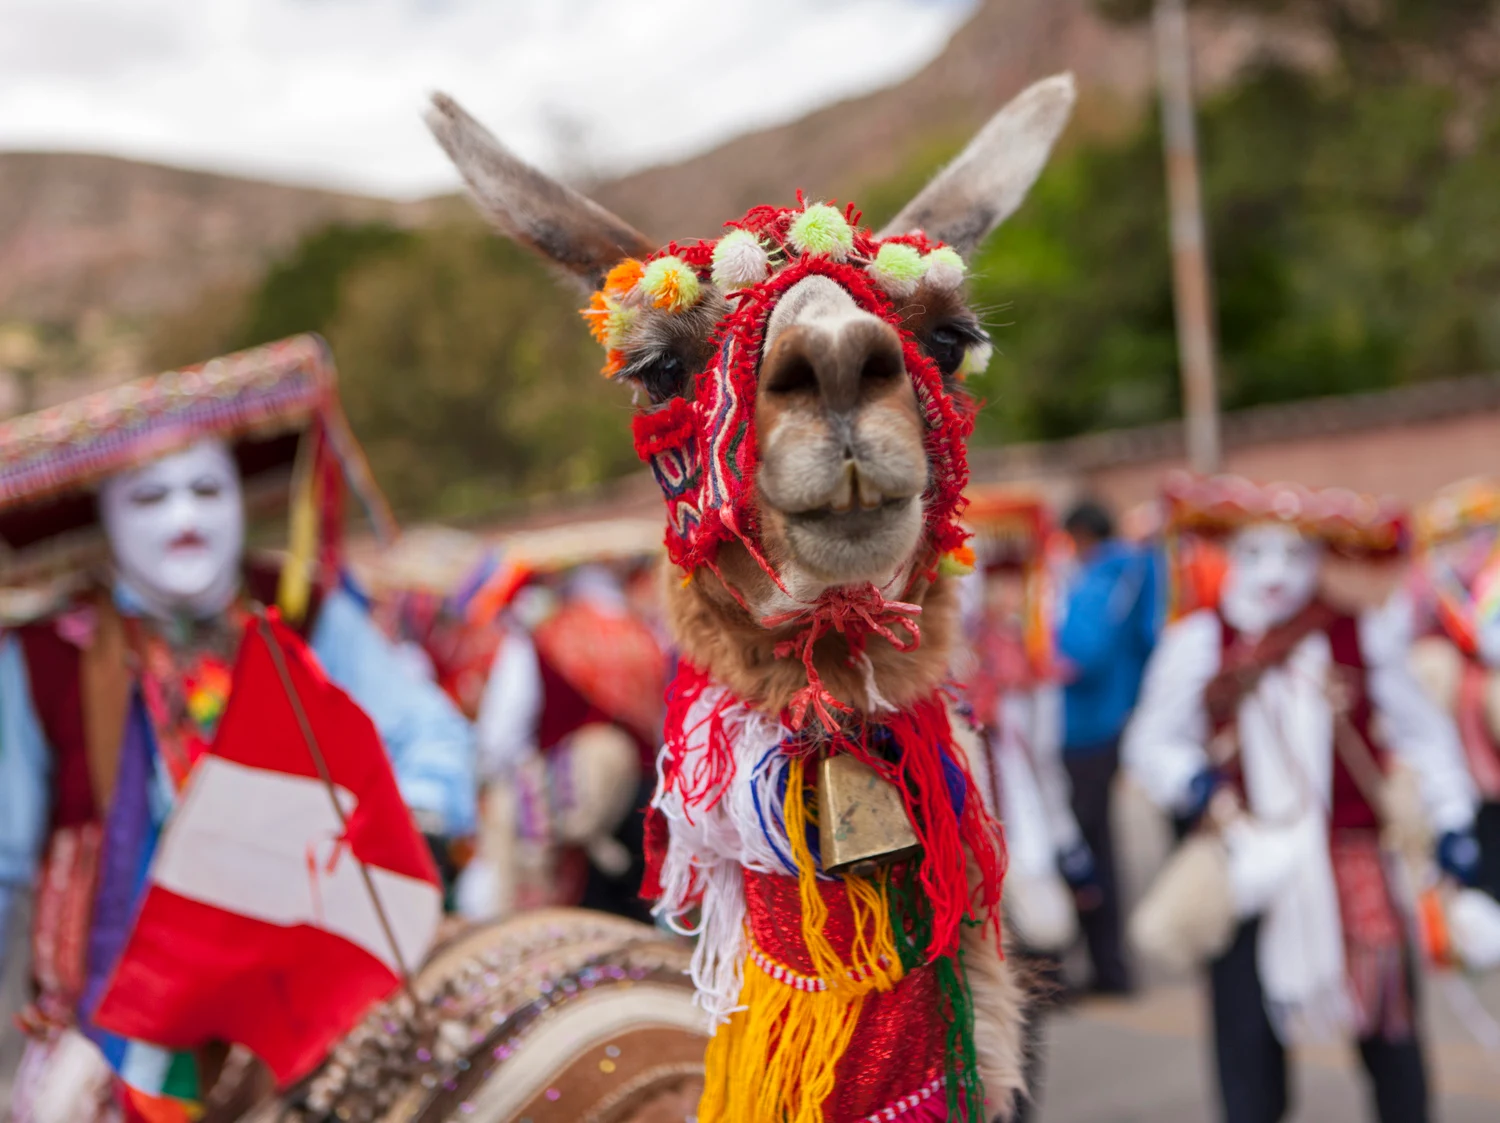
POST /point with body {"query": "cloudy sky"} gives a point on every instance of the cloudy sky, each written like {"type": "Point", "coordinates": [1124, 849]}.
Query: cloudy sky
{"type": "Point", "coordinates": [329, 91]}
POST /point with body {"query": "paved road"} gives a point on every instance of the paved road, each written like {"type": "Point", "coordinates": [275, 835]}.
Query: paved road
{"type": "Point", "coordinates": [1146, 1062]}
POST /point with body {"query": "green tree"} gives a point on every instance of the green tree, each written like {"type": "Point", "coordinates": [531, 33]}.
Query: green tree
{"type": "Point", "coordinates": [470, 378]}
{"type": "Point", "coordinates": [1448, 40]}
{"type": "Point", "coordinates": [301, 292]}
{"type": "Point", "coordinates": [1353, 248]}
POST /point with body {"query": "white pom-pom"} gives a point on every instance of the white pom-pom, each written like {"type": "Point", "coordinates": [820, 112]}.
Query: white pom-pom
{"type": "Point", "coordinates": [945, 268]}
{"type": "Point", "coordinates": [739, 261]}
{"type": "Point", "coordinates": [976, 360]}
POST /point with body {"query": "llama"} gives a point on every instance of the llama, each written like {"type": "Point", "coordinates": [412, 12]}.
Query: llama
{"type": "Point", "coordinates": [801, 389]}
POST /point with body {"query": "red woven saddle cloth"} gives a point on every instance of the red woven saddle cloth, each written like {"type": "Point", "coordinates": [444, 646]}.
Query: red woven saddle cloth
{"type": "Point", "coordinates": [898, 1049]}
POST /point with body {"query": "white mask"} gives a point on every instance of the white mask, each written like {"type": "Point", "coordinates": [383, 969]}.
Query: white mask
{"type": "Point", "coordinates": [177, 529]}
{"type": "Point", "coordinates": [1273, 575]}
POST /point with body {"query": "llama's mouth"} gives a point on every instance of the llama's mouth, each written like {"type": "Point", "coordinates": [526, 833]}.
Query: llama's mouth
{"type": "Point", "coordinates": [858, 544]}
{"type": "Point", "coordinates": [832, 516]}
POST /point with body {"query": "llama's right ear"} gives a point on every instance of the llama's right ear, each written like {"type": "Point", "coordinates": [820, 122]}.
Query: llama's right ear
{"type": "Point", "coordinates": [990, 178]}
{"type": "Point", "coordinates": [551, 218]}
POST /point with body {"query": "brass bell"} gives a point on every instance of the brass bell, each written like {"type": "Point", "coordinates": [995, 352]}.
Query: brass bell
{"type": "Point", "coordinates": [862, 821]}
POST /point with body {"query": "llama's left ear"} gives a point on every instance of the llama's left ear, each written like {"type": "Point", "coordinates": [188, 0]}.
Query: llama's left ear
{"type": "Point", "coordinates": [542, 214]}
{"type": "Point", "coordinates": [991, 177]}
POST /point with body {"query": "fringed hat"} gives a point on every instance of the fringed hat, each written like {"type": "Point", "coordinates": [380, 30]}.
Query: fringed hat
{"type": "Point", "coordinates": [1354, 525]}
{"type": "Point", "coordinates": [275, 406]}
{"type": "Point", "coordinates": [1472, 504]}
{"type": "Point", "coordinates": [554, 1014]}
{"type": "Point", "coordinates": [1010, 529]}
{"type": "Point", "coordinates": [1457, 537]}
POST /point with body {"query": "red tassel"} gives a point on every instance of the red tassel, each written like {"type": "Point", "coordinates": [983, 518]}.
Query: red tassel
{"type": "Point", "coordinates": [709, 779]}
{"type": "Point", "coordinates": [947, 837]}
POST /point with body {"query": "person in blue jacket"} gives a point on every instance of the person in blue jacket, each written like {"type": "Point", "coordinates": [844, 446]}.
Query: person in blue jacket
{"type": "Point", "coordinates": [1109, 620]}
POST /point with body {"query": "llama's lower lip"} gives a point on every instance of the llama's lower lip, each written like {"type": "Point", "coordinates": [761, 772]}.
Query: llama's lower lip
{"type": "Point", "coordinates": [853, 519]}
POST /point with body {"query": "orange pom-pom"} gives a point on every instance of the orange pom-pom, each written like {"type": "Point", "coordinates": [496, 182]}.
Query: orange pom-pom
{"type": "Point", "coordinates": [596, 315]}
{"type": "Point", "coordinates": [614, 363]}
{"type": "Point", "coordinates": [623, 277]}
{"type": "Point", "coordinates": [957, 562]}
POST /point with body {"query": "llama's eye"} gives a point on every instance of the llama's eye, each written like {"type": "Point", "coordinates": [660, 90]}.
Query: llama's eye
{"type": "Point", "coordinates": [662, 374]}
{"type": "Point", "coordinates": [947, 343]}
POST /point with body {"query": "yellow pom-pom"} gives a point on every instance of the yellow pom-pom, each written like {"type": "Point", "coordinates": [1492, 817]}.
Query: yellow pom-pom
{"type": "Point", "coordinates": [671, 284]}
{"type": "Point", "coordinates": [821, 229]}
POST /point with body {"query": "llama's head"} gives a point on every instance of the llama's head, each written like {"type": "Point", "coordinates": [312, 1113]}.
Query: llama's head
{"type": "Point", "coordinates": [800, 377]}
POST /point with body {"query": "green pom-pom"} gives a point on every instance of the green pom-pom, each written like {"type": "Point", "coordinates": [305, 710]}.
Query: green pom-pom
{"type": "Point", "coordinates": [671, 284]}
{"type": "Point", "coordinates": [945, 268]}
{"type": "Point", "coordinates": [897, 269]}
{"type": "Point", "coordinates": [739, 261]}
{"type": "Point", "coordinates": [821, 229]}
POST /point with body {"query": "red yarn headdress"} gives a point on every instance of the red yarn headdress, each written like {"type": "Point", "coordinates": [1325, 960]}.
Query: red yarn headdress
{"type": "Point", "coordinates": [702, 449]}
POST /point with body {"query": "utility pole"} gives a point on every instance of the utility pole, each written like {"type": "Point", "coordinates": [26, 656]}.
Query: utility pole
{"type": "Point", "coordinates": [1191, 281]}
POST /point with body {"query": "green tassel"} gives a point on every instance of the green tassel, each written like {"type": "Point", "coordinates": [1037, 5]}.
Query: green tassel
{"type": "Point", "coordinates": [965, 1089]}
{"type": "Point", "coordinates": [912, 925]}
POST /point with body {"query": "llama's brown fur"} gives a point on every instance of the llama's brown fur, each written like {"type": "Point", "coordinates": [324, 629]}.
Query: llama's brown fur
{"type": "Point", "coordinates": [1000, 1003]}
{"type": "Point", "coordinates": [1002, 994]}
{"type": "Point", "coordinates": [717, 634]}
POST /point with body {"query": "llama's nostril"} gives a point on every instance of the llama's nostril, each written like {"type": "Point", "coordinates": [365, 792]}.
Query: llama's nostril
{"type": "Point", "coordinates": [793, 374]}
{"type": "Point", "coordinates": [841, 363]}
{"type": "Point", "coordinates": [882, 365]}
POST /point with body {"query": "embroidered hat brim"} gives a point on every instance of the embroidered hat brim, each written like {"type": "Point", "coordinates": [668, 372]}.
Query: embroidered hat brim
{"type": "Point", "coordinates": [262, 402]}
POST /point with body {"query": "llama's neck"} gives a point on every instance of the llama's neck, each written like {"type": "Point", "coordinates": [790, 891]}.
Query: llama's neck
{"type": "Point", "coordinates": [718, 634]}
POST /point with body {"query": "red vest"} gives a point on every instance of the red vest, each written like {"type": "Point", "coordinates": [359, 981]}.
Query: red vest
{"type": "Point", "coordinates": [1351, 810]}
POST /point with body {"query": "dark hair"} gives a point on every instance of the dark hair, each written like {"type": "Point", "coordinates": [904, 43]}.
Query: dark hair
{"type": "Point", "coordinates": [1090, 519]}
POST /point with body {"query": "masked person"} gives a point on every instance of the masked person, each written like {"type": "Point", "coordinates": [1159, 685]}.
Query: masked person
{"type": "Point", "coordinates": [166, 468]}
{"type": "Point", "coordinates": [1272, 723]}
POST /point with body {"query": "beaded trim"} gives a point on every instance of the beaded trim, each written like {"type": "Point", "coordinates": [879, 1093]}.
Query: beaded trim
{"type": "Point", "coordinates": [809, 983]}
{"type": "Point", "coordinates": [906, 1103]}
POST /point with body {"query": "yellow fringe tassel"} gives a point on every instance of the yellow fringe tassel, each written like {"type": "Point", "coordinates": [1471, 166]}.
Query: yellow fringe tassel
{"type": "Point", "coordinates": [776, 1058]}
{"type": "Point", "coordinates": [875, 965]}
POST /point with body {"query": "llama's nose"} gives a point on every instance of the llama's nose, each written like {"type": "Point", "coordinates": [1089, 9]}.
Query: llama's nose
{"type": "Point", "coordinates": [842, 363]}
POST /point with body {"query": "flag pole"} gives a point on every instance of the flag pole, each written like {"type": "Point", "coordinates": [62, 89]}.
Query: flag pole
{"type": "Point", "coordinates": [278, 659]}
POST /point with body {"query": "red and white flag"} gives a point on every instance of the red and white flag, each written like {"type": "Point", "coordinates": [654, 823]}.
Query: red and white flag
{"type": "Point", "coordinates": [257, 925]}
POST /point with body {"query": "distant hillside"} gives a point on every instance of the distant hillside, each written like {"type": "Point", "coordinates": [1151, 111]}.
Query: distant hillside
{"type": "Point", "coordinates": [840, 151]}
{"type": "Point", "coordinates": [83, 233]}
{"type": "Point", "coordinates": [86, 234]}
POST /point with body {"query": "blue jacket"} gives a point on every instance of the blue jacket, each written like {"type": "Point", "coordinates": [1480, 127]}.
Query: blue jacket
{"type": "Point", "coordinates": [1110, 623]}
